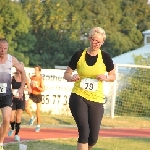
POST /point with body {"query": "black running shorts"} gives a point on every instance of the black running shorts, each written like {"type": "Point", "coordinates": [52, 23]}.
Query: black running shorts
{"type": "Point", "coordinates": [18, 104]}
{"type": "Point", "coordinates": [36, 98]}
{"type": "Point", "coordinates": [6, 101]}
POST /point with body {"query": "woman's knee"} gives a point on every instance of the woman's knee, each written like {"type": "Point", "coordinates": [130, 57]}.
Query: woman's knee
{"type": "Point", "coordinates": [27, 106]}
{"type": "Point", "coordinates": [83, 135]}
{"type": "Point", "coordinates": [28, 103]}
{"type": "Point", "coordinates": [38, 111]}
{"type": "Point", "coordinates": [92, 140]}
{"type": "Point", "coordinates": [38, 107]}
{"type": "Point", "coordinates": [18, 119]}
{"type": "Point", "coordinates": [83, 139]}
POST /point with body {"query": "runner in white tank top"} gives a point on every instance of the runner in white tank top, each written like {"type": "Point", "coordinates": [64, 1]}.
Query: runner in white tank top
{"type": "Point", "coordinates": [6, 63]}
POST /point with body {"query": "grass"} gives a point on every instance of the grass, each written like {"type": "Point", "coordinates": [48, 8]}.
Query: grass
{"type": "Point", "coordinates": [107, 122]}
{"type": "Point", "coordinates": [103, 144]}
{"type": "Point", "coordinates": [126, 122]}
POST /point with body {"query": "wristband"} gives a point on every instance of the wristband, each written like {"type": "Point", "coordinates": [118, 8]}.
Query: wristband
{"type": "Point", "coordinates": [106, 77]}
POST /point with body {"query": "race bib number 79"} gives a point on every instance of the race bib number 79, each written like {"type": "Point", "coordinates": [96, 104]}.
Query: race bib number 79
{"type": "Point", "coordinates": [3, 87]}
{"type": "Point", "coordinates": [89, 84]}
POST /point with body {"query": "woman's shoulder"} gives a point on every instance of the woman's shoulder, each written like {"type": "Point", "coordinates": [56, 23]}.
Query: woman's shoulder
{"type": "Point", "coordinates": [104, 53]}
{"type": "Point", "coordinates": [78, 53]}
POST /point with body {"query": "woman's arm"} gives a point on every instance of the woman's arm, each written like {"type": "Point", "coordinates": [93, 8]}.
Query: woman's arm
{"type": "Point", "coordinates": [67, 74]}
{"type": "Point", "coordinates": [111, 76]}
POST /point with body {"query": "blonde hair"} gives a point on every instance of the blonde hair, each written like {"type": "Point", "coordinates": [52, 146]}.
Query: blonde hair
{"type": "Point", "coordinates": [97, 30]}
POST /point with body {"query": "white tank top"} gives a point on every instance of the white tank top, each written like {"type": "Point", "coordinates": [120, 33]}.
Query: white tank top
{"type": "Point", "coordinates": [5, 77]}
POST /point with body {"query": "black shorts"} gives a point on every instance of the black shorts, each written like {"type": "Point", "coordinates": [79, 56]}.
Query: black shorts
{"type": "Point", "coordinates": [18, 104]}
{"type": "Point", "coordinates": [6, 101]}
{"type": "Point", "coordinates": [36, 98]}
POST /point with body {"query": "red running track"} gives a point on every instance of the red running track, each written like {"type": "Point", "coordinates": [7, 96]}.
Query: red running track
{"type": "Point", "coordinates": [52, 133]}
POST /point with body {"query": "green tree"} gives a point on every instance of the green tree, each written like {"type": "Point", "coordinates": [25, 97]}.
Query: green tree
{"type": "Point", "coordinates": [50, 26]}
{"type": "Point", "coordinates": [61, 27]}
{"type": "Point", "coordinates": [135, 20]}
{"type": "Point", "coordinates": [15, 26]}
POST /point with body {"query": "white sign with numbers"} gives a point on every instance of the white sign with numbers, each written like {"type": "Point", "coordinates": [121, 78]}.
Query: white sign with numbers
{"type": "Point", "coordinates": [89, 84]}
{"type": "Point", "coordinates": [3, 87]}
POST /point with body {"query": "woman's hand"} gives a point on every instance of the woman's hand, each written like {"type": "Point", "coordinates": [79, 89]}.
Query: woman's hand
{"type": "Point", "coordinates": [102, 77]}
{"type": "Point", "coordinates": [75, 77]}
{"type": "Point", "coordinates": [21, 91]}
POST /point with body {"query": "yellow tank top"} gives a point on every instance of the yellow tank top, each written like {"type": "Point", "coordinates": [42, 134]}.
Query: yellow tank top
{"type": "Point", "coordinates": [87, 73]}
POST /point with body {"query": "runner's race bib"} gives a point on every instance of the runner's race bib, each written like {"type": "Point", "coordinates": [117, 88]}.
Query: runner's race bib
{"type": "Point", "coordinates": [89, 84]}
{"type": "Point", "coordinates": [3, 87]}
{"type": "Point", "coordinates": [15, 93]}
